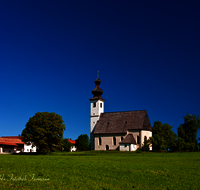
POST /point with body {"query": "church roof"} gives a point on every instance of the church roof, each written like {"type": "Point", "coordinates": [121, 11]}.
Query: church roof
{"type": "Point", "coordinates": [121, 122]}
{"type": "Point", "coordinates": [129, 139]}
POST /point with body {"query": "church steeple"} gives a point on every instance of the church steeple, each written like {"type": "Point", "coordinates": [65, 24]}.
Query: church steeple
{"type": "Point", "coordinates": [97, 91]}
{"type": "Point", "coordinates": [96, 108]}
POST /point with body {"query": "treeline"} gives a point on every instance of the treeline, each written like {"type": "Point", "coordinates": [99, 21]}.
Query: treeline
{"type": "Point", "coordinates": [164, 139]}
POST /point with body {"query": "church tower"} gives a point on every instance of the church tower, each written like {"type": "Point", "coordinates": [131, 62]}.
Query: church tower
{"type": "Point", "coordinates": [96, 108]}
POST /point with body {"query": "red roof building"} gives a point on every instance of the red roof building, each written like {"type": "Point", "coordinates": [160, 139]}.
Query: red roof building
{"type": "Point", "coordinates": [71, 141]}
{"type": "Point", "coordinates": [14, 144]}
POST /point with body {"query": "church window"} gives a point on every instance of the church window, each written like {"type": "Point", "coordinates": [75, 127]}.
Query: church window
{"type": "Point", "coordinates": [114, 140]}
{"type": "Point", "coordinates": [138, 139]}
{"type": "Point", "coordinates": [145, 138]}
{"type": "Point", "coordinates": [100, 105]}
{"type": "Point", "coordinates": [122, 138]}
{"type": "Point", "coordinates": [99, 140]}
{"type": "Point", "coordinates": [94, 104]}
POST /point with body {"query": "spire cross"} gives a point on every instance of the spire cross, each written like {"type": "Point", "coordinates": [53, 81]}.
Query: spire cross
{"type": "Point", "coordinates": [97, 74]}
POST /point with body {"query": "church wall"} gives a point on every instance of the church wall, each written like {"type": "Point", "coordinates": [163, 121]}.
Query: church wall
{"type": "Point", "coordinates": [145, 133]}
{"type": "Point", "coordinates": [107, 140]}
{"type": "Point", "coordinates": [97, 110]}
{"type": "Point", "coordinates": [93, 122]}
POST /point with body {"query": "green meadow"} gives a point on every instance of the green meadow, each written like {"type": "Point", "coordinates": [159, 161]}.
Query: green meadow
{"type": "Point", "coordinates": [101, 170]}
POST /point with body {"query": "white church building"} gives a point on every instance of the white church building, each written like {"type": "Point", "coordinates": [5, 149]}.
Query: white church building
{"type": "Point", "coordinates": [125, 131]}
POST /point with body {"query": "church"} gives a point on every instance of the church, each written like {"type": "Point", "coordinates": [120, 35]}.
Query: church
{"type": "Point", "coordinates": [124, 131]}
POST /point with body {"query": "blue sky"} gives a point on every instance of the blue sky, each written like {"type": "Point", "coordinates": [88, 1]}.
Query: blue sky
{"type": "Point", "coordinates": [147, 54]}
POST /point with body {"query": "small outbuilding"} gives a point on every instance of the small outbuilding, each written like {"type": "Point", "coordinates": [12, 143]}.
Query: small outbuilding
{"type": "Point", "coordinates": [128, 144]}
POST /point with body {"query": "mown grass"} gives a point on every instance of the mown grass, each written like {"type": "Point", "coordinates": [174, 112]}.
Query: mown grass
{"type": "Point", "coordinates": [101, 170]}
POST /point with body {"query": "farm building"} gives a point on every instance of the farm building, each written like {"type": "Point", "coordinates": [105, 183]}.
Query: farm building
{"type": "Point", "coordinates": [73, 148]}
{"type": "Point", "coordinates": [125, 131]}
{"type": "Point", "coordinates": [14, 144]}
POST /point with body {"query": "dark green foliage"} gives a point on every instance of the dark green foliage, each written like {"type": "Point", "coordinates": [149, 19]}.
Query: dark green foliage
{"type": "Point", "coordinates": [45, 130]}
{"type": "Point", "coordinates": [188, 132]}
{"type": "Point", "coordinates": [139, 150]}
{"type": "Point", "coordinates": [83, 142]}
{"type": "Point", "coordinates": [145, 146]}
{"type": "Point", "coordinates": [199, 143]}
{"type": "Point", "coordinates": [164, 138]}
{"type": "Point", "coordinates": [67, 145]}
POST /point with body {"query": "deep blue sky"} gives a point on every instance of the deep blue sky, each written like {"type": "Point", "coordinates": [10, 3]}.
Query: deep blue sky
{"type": "Point", "coordinates": [147, 54]}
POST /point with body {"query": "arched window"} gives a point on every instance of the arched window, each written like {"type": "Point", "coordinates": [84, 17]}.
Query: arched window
{"type": "Point", "coordinates": [114, 140]}
{"type": "Point", "coordinates": [99, 140]}
{"type": "Point", "coordinates": [138, 139]}
{"type": "Point", "coordinates": [122, 138]}
{"type": "Point", "coordinates": [145, 138]}
{"type": "Point", "coordinates": [94, 104]}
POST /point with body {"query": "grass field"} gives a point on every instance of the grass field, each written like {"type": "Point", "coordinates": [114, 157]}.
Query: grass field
{"type": "Point", "coordinates": [101, 170]}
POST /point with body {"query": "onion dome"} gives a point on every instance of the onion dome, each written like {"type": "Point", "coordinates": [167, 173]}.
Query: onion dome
{"type": "Point", "coordinates": [97, 91]}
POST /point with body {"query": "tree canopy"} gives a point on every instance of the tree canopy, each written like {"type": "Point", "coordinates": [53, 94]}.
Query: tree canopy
{"type": "Point", "coordinates": [188, 132]}
{"type": "Point", "coordinates": [83, 142]}
{"type": "Point", "coordinates": [45, 131]}
{"type": "Point", "coordinates": [163, 137]}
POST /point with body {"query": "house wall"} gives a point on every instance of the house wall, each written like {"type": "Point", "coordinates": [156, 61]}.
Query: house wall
{"type": "Point", "coordinates": [29, 148]}
{"type": "Point", "coordinates": [73, 149]}
{"type": "Point", "coordinates": [1, 150]}
{"type": "Point", "coordinates": [133, 147]}
{"type": "Point", "coordinates": [107, 140]}
{"type": "Point", "coordinates": [129, 147]}
{"type": "Point", "coordinates": [8, 150]}
{"type": "Point", "coordinates": [123, 148]}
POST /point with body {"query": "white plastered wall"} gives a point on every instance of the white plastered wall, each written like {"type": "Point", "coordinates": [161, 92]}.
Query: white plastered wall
{"type": "Point", "coordinates": [147, 134]}
{"type": "Point", "coordinates": [95, 113]}
{"type": "Point", "coordinates": [29, 148]}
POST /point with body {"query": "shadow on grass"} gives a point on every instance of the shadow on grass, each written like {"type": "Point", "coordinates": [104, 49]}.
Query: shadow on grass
{"type": "Point", "coordinates": [29, 153]}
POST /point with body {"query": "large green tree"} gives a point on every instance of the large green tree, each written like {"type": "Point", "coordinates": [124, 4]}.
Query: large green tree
{"type": "Point", "coordinates": [83, 142]}
{"type": "Point", "coordinates": [188, 132]}
{"type": "Point", "coordinates": [163, 138]}
{"type": "Point", "coordinates": [45, 130]}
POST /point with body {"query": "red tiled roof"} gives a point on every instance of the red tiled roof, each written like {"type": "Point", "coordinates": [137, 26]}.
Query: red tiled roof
{"type": "Point", "coordinates": [71, 141]}
{"type": "Point", "coordinates": [10, 141]}
{"type": "Point", "coordinates": [12, 137]}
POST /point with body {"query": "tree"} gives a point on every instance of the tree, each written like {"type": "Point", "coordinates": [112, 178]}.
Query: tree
{"type": "Point", "coordinates": [188, 132]}
{"type": "Point", "coordinates": [45, 130]}
{"type": "Point", "coordinates": [67, 145]}
{"type": "Point", "coordinates": [83, 142]}
{"type": "Point", "coordinates": [163, 138]}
